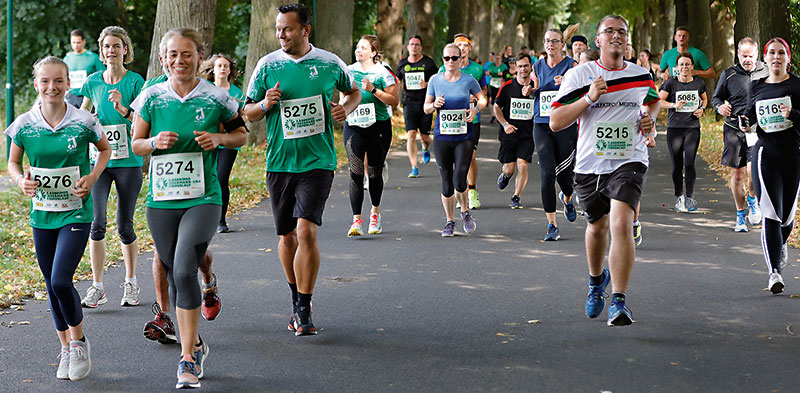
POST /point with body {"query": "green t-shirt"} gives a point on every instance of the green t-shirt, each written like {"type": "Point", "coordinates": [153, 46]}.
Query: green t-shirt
{"type": "Point", "coordinates": [300, 127]}
{"type": "Point", "coordinates": [238, 95]}
{"type": "Point", "coordinates": [96, 89]}
{"type": "Point", "coordinates": [80, 67]}
{"type": "Point", "coordinates": [477, 72]}
{"type": "Point", "coordinates": [153, 81]}
{"type": "Point", "coordinates": [670, 60]}
{"type": "Point", "coordinates": [50, 148]}
{"type": "Point", "coordinates": [381, 78]}
{"type": "Point", "coordinates": [176, 178]}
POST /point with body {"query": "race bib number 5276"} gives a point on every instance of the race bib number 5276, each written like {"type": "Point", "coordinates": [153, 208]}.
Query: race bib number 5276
{"type": "Point", "coordinates": [53, 189]}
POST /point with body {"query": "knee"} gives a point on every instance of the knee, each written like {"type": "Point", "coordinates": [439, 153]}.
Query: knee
{"type": "Point", "coordinates": [61, 286]}
{"type": "Point", "coordinates": [522, 165]}
{"type": "Point", "coordinates": [97, 231]}
{"type": "Point", "coordinates": [290, 240]}
{"type": "Point", "coordinates": [306, 232]}
{"type": "Point", "coordinates": [126, 233]}
{"type": "Point", "coordinates": [598, 229]}
{"type": "Point", "coordinates": [548, 179]}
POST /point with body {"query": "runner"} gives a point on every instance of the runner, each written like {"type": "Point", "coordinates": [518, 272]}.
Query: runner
{"type": "Point", "coordinates": [556, 151]}
{"type": "Point", "coordinates": [221, 69]}
{"type": "Point", "coordinates": [508, 54]}
{"type": "Point", "coordinates": [630, 53]}
{"type": "Point", "coordinates": [702, 67]}
{"type": "Point", "coordinates": [55, 137]}
{"type": "Point", "coordinates": [365, 130]}
{"type": "Point", "coordinates": [486, 65]}
{"type": "Point", "coordinates": [496, 71]}
{"type": "Point", "coordinates": [579, 45]}
{"type": "Point", "coordinates": [730, 100]}
{"type": "Point", "coordinates": [589, 55]}
{"type": "Point", "coordinates": [82, 63]}
{"type": "Point", "coordinates": [183, 200]}
{"type": "Point", "coordinates": [644, 61]}
{"type": "Point", "coordinates": [610, 170]}
{"type": "Point", "coordinates": [111, 92]}
{"type": "Point", "coordinates": [300, 154]}
{"type": "Point", "coordinates": [514, 110]}
{"type": "Point", "coordinates": [685, 97]}
{"type": "Point", "coordinates": [415, 71]}
{"type": "Point", "coordinates": [773, 105]}
{"type": "Point", "coordinates": [449, 94]}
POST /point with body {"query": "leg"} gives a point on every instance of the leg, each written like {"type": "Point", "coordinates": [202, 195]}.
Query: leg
{"type": "Point", "coordinates": [596, 244]}
{"type": "Point", "coordinates": [445, 159]}
{"type": "Point", "coordinates": [522, 178]}
{"type": "Point", "coordinates": [738, 176]}
{"type": "Point", "coordinates": [128, 182]}
{"type": "Point", "coordinates": [161, 283]}
{"type": "Point", "coordinates": [355, 146]}
{"type": "Point", "coordinates": [411, 147]}
{"type": "Point", "coordinates": [690, 144]}
{"type": "Point", "coordinates": [675, 146]}
{"type": "Point", "coordinates": [225, 160]}
{"type": "Point", "coordinates": [544, 140]}
{"type": "Point", "coordinates": [464, 153]}
{"type": "Point", "coordinates": [97, 246]}
{"type": "Point", "coordinates": [622, 251]}
{"type": "Point", "coordinates": [307, 259]}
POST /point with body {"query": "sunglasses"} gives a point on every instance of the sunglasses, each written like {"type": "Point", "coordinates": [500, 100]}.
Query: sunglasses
{"type": "Point", "coordinates": [451, 58]}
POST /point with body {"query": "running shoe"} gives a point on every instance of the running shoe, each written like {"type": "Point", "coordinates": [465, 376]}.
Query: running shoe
{"type": "Point", "coordinates": [63, 363]}
{"type": "Point", "coordinates": [130, 294]}
{"type": "Point", "coordinates": [753, 210]}
{"type": "Point", "coordinates": [469, 222]}
{"type": "Point", "coordinates": [355, 228]}
{"type": "Point", "coordinates": [414, 172]}
{"type": "Point", "coordinates": [426, 156]}
{"type": "Point", "coordinates": [741, 225]}
{"type": "Point", "coordinates": [80, 361]}
{"type": "Point", "coordinates": [302, 322]}
{"type": "Point", "coordinates": [449, 228]}
{"type": "Point", "coordinates": [375, 224]}
{"type": "Point", "coordinates": [618, 313]}
{"type": "Point", "coordinates": [637, 233]}
{"type": "Point", "coordinates": [223, 228]}
{"type": "Point", "coordinates": [775, 282]}
{"type": "Point", "coordinates": [200, 355]}
{"type": "Point", "coordinates": [784, 256]}
{"type": "Point", "coordinates": [552, 233]}
{"type": "Point", "coordinates": [291, 318]}
{"type": "Point", "coordinates": [569, 208]}
{"type": "Point", "coordinates": [680, 204]}
{"type": "Point", "coordinates": [211, 306]}
{"type": "Point", "coordinates": [691, 204]}
{"type": "Point", "coordinates": [474, 202]}
{"type": "Point", "coordinates": [595, 301]}
{"type": "Point", "coordinates": [160, 328]}
{"type": "Point", "coordinates": [187, 375]}
{"type": "Point", "coordinates": [515, 203]}
{"type": "Point", "coordinates": [502, 181]}
{"type": "Point", "coordinates": [94, 297]}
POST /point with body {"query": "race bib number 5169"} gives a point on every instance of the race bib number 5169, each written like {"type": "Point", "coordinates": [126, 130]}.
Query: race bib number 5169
{"type": "Point", "coordinates": [769, 114]}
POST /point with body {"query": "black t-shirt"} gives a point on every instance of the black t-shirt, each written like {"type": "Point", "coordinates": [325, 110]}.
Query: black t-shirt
{"type": "Point", "coordinates": [510, 94]}
{"type": "Point", "coordinates": [690, 92]}
{"type": "Point", "coordinates": [760, 91]}
{"type": "Point", "coordinates": [425, 65]}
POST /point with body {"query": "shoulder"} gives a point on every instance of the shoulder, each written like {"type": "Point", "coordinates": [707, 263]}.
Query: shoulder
{"type": "Point", "coordinates": [324, 56]}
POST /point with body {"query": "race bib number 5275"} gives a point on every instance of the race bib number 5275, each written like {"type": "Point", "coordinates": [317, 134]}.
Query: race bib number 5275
{"type": "Point", "coordinates": [302, 117]}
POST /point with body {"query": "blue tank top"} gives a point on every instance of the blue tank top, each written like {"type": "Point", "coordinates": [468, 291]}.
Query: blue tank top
{"type": "Point", "coordinates": [547, 85]}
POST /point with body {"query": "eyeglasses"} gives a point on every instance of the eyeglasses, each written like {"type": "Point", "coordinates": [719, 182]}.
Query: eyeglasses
{"type": "Point", "coordinates": [451, 58]}
{"type": "Point", "coordinates": [554, 42]}
{"type": "Point", "coordinates": [610, 31]}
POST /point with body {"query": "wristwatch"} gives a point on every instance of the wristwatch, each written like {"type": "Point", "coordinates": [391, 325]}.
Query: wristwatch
{"type": "Point", "coordinates": [374, 90]}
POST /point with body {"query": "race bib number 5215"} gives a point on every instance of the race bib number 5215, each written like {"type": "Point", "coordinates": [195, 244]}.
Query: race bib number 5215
{"type": "Point", "coordinates": [613, 140]}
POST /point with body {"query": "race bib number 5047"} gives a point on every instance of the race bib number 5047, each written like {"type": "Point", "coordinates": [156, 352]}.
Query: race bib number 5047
{"type": "Point", "coordinates": [302, 117]}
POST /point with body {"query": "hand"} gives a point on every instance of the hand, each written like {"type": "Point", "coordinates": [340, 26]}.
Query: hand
{"type": "Point", "coordinates": [666, 75]}
{"type": "Point", "coordinates": [527, 90]}
{"type": "Point", "coordinates": [337, 111]}
{"type": "Point", "coordinates": [646, 125]}
{"type": "Point", "coordinates": [439, 102]}
{"type": "Point", "coordinates": [557, 79]}
{"type": "Point", "coordinates": [27, 185]}
{"type": "Point", "coordinates": [206, 140]}
{"type": "Point", "coordinates": [366, 85]}
{"type": "Point", "coordinates": [83, 186]}
{"type": "Point", "coordinates": [699, 112]}
{"type": "Point", "coordinates": [423, 84]}
{"type": "Point", "coordinates": [725, 109]}
{"type": "Point", "coordinates": [679, 105]}
{"type": "Point", "coordinates": [597, 89]}
{"type": "Point", "coordinates": [471, 113]}
{"type": "Point", "coordinates": [509, 128]}
{"type": "Point", "coordinates": [650, 140]}
{"type": "Point", "coordinates": [115, 96]}
{"type": "Point", "coordinates": [165, 140]}
{"type": "Point", "coordinates": [272, 97]}
{"type": "Point", "coordinates": [473, 99]}
{"type": "Point", "coordinates": [785, 111]}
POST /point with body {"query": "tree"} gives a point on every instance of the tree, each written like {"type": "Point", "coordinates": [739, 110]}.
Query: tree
{"type": "Point", "coordinates": [480, 13]}
{"type": "Point", "coordinates": [774, 18]}
{"type": "Point", "coordinates": [421, 22]}
{"type": "Point", "coordinates": [196, 14]}
{"type": "Point", "coordinates": [262, 41]}
{"type": "Point", "coordinates": [458, 18]}
{"type": "Point", "coordinates": [333, 32]}
{"type": "Point", "coordinates": [389, 29]}
{"type": "Point", "coordinates": [722, 35]}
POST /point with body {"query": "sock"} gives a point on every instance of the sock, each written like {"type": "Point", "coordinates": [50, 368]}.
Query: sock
{"type": "Point", "coordinates": [741, 212]}
{"type": "Point", "coordinates": [596, 280]}
{"type": "Point", "coordinates": [304, 300]}
{"type": "Point", "coordinates": [751, 199]}
{"type": "Point", "coordinates": [65, 349]}
{"type": "Point", "coordinates": [636, 222]}
{"type": "Point", "coordinates": [210, 285]}
{"type": "Point", "coordinates": [98, 285]}
{"type": "Point", "coordinates": [618, 295]}
{"type": "Point", "coordinates": [471, 186]}
{"type": "Point", "coordinates": [293, 287]}
{"type": "Point", "coordinates": [201, 341]}
{"type": "Point", "coordinates": [83, 339]}
{"type": "Point", "coordinates": [131, 280]}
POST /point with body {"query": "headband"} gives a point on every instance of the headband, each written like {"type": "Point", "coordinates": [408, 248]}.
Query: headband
{"type": "Point", "coordinates": [782, 41]}
{"type": "Point", "coordinates": [462, 39]}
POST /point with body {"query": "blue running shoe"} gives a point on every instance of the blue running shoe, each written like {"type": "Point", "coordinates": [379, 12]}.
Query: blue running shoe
{"type": "Point", "coordinates": [741, 225]}
{"type": "Point", "coordinates": [515, 202]}
{"type": "Point", "coordinates": [200, 356]}
{"type": "Point", "coordinates": [618, 313]}
{"type": "Point", "coordinates": [595, 301]}
{"type": "Point", "coordinates": [552, 233]}
{"type": "Point", "coordinates": [414, 172]}
{"type": "Point", "coordinates": [426, 156]}
{"type": "Point", "coordinates": [753, 210]}
{"type": "Point", "coordinates": [569, 209]}
{"type": "Point", "coordinates": [502, 181]}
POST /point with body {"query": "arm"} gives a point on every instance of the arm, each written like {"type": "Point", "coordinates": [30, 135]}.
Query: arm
{"type": "Point", "coordinates": [351, 100]}
{"type": "Point", "coordinates": [86, 104]}
{"type": "Point", "coordinates": [708, 73]}
{"type": "Point", "coordinates": [85, 183]}
{"type": "Point", "coordinates": [703, 102]}
{"type": "Point", "coordinates": [662, 100]}
{"type": "Point", "coordinates": [23, 180]}
{"type": "Point", "coordinates": [508, 128]}
{"type": "Point", "coordinates": [719, 96]}
{"type": "Point", "coordinates": [562, 116]}
{"type": "Point", "coordinates": [142, 144]}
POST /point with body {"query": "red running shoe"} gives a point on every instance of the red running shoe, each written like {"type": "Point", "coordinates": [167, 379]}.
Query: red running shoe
{"type": "Point", "coordinates": [211, 303]}
{"type": "Point", "coordinates": [161, 328]}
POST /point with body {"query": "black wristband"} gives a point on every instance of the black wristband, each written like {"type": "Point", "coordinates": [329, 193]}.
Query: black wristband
{"type": "Point", "coordinates": [374, 90]}
{"type": "Point", "coordinates": [233, 124]}
{"type": "Point", "coordinates": [128, 115]}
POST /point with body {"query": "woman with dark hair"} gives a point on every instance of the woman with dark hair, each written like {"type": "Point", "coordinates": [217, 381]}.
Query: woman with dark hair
{"type": "Point", "coordinates": [645, 61]}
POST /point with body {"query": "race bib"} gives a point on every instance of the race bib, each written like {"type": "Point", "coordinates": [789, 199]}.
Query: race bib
{"type": "Point", "coordinates": [546, 99]}
{"type": "Point", "coordinates": [414, 80]}
{"type": "Point", "coordinates": [453, 122]}
{"type": "Point", "coordinates": [692, 99]}
{"type": "Point", "coordinates": [53, 189]}
{"type": "Point", "coordinates": [177, 176]}
{"type": "Point", "coordinates": [769, 115]}
{"type": "Point", "coordinates": [302, 117]}
{"type": "Point", "coordinates": [675, 71]}
{"type": "Point", "coordinates": [495, 82]}
{"type": "Point", "coordinates": [363, 116]}
{"type": "Point", "coordinates": [613, 141]}
{"type": "Point", "coordinates": [521, 109]}
{"type": "Point", "coordinates": [77, 79]}
{"type": "Point", "coordinates": [117, 136]}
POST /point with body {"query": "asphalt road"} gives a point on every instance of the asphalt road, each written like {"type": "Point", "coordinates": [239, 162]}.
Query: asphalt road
{"type": "Point", "coordinates": [497, 310]}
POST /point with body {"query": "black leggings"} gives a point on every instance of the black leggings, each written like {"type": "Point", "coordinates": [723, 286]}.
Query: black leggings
{"type": "Point", "coordinates": [683, 144]}
{"type": "Point", "coordinates": [556, 151]}
{"type": "Point", "coordinates": [777, 171]}
{"type": "Point", "coordinates": [225, 159]}
{"type": "Point", "coordinates": [58, 252]}
{"type": "Point", "coordinates": [128, 182]}
{"type": "Point", "coordinates": [372, 142]}
{"type": "Point", "coordinates": [453, 159]}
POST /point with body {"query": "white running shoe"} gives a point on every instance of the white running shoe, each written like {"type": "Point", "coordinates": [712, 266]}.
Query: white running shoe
{"type": "Point", "coordinates": [753, 211]}
{"type": "Point", "coordinates": [63, 364]}
{"type": "Point", "coordinates": [80, 362]}
{"type": "Point", "coordinates": [355, 228]}
{"type": "Point", "coordinates": [375, 224]}
{"type": "Point", "coordinates": [94, 297]}
{"type": "Point", "coordinates": [680, 204]}
{"type": "Point", "coordinates": [130, 294]}
{"type": "Point", "coordinates": [775, 283]}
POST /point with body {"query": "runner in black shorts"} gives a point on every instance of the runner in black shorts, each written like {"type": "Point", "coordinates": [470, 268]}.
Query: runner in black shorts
{"type": "Point", "coordinates": [415, 71]}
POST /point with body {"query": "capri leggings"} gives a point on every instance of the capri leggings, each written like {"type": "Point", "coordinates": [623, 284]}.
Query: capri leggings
{"type": "Point", "coordinates": [225, 159]}
{"type": "Point", "coordinates": [453, 158]}
{"type": "Point", "coordinates": [777, 170]}
{"type": "Point", "coordinates": [128, 182]}
{"type": "Point", "coordinates": [372, 142]}
{"type": "Point", "coordinates": [556, 151]}
{"type": "Point", "coordinates": [683, 144]}
{"type": "Point", "coordinates": [58, 252]}
{"type": "Point", "coordinates": [181, 237]}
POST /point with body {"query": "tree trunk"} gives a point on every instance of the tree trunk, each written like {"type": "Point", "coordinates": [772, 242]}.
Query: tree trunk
{"type": "Point", "coordinates": [747, 23]}
{"type": "Point", "coordinates": [664, 27]}
{"type": "Point", "coordinates": [335, 33]}
{"type": "Point", "coordinates": [458, 14]}
{"type": "Point", "coordinates": [700, 32]}
{"type": "Point", "coordinates": [683, 11]}
{"type": "Point", "coordinates": [636, 38]}
{"type": "Point", "coordinates": [504, 28]}
{"type": "Point", "coordinates": [480, 12]}
{"type": "Point", "coordinates": [722, 19]}
{"type": "Point", "coordinates": [262, 41]}
{"type": "Point", "coordinates": [774, 18]}
{"type": "Point", "coordinates": [421, 22]}
{"type": "Point", "coordinates": [536, 31]}
{"type": "Point", "coordinates": [196, 14]}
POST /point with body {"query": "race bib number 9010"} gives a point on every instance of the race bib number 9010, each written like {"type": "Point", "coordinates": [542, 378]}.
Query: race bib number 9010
{"type": "Point", "coordinates": [53, 189]}
{"type": "Point", "coordinates": [769, 114]}
{"type": "Point", "coordinates": [613, 140]}
{"type": "Point", "coordinates": [302, 117]}
{"type": "Point", "coordinates": [177, 176]}
{"type": "Point", "coordinates": [521, 109]}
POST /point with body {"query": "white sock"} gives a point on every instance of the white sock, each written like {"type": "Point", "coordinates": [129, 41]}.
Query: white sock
{"type": "Point", "coordinates": [131, 280]}
{"type": "Point", "coordinates": [211, 284]}
{"type": "Point", "coordinates": [98, 285]}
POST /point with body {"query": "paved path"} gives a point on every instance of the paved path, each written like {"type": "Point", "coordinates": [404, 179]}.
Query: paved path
{"type": "Point", "coordinates": [410, 311]}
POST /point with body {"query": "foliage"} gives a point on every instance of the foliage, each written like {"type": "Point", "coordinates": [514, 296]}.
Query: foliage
{"type": "Point", "coordinates": [540, 10]}
{"type": "Point", "coordinates": [364, 18]}
{"type": "Point", "coordinates": [441, 16]}
{"type": "Point", "coordinates": [794, 15]}
{"type": "Point", "coordinates": [232, 31]}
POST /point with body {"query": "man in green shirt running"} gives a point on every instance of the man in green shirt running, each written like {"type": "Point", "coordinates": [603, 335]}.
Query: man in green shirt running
{"type": "Point", "coordinates": [702, 67]}
{"type": "Point", "coordinates": [81, 63]}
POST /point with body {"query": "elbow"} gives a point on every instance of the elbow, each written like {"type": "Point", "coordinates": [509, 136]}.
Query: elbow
{"type": "Point", "coordinates": [555, 125]}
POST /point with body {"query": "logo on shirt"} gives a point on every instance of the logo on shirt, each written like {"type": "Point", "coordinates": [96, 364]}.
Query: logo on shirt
{"type": "Point", "coordinates": [200, 115]}
{"type": "Point", "coordinates": [72, 146]}
{"type": "Point", "coordinates": [407, 68]}
{"type": "Point", "coordinates": [314, 73]}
